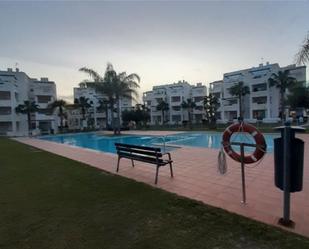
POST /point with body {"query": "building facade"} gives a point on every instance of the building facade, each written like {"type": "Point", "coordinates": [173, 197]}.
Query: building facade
{"type": "Point", "coordinates": [95, 117]}
{"type": "Point", "coordinates": [17, 87]}
{"type": "Point", "coordinates": [174, 95]}
{"type": "Point", "coordinates": [263, 102]}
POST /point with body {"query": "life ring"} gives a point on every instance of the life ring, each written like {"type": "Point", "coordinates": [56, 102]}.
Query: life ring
{"type": "Point", "coordinates": [260, 149]}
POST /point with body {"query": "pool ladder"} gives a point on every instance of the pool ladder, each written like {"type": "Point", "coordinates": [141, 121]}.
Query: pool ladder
{"type": "Point", "coordinates": [163, 139]}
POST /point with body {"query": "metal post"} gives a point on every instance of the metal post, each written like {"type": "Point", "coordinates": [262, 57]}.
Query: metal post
{"type": "Point", "coordinates": [242, 156]}
{"type": "Point", "coordinates": [286, 175]}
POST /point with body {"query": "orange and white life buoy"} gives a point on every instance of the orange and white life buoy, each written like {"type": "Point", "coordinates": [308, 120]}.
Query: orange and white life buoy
{"type": "Point", "coordinates": [260, 149]}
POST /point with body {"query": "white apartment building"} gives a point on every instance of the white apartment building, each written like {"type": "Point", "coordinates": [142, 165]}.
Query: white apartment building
{"type": "Point", "coordinates": [174, 94]}
{"type": "Point", "coordinates": [17, 87]}
{"type": "Point", "coordinates": [94, 116]}
{"type": "Point", "coordinates": [262, 103]}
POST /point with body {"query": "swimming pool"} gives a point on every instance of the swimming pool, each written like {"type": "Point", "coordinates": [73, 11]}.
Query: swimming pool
{"type": "Point", "coordinates": [192, 139]}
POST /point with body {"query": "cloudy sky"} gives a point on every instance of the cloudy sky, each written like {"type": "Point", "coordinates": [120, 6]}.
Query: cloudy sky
{"type": "Point", "coordinates": [161, 41]}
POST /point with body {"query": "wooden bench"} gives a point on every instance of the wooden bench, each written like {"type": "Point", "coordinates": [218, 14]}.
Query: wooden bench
{"type": "Point", "coordinates": [144, 154]}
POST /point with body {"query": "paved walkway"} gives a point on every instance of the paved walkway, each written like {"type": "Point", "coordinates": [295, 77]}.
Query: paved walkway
{"type": "Point", "coordinates": [197, 177]}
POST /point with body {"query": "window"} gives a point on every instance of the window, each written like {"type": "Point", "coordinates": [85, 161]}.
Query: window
{"type": "Point", "coordinates": [157, 118]}
{"type": "Point", "coordinates": [43, 99]}
{"type": "Point", "coordinates": [149, 103]}
{"type": "Point", "coordinates": [176, 99]}
{"type": "Point", "coordinates": [176, 118]}
{"type": "Point", "coordinates": [198, 99]}
{"type": "Point", "coordinates": [199, 108]}
{"type": "Point", "coordinates": [259, 73]}
{"type": "Point", "coordinates": [16, 97]}
{"type": "Point", "coordinates": [45, 111]}
{"type": "Point", "coordinates": [176, 108]}
{"type": "Point", "coordinates": [5, 127]}
{"type": "Point", "coordinates": [5, 110]}
{"type": "Point", "coordinates": [217, 95]}
{"type": "Point", "coordinates": [231, 102]}
{"type": "Point", "coordinates": [198, 117]}
{"type": "Point", "coordinates": [159, 100]}
{"type": "Point", "coordinates": [5, 95]}
{"type": "Point", "coordinates": [259, 114]}
{"type": "Point", "coordinates": [259, 87]}
{"type": "Point", "coordinates": [259, 100]}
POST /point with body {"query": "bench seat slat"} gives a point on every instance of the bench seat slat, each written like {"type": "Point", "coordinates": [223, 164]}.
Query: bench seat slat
{"type": "Point", "coordinates": [142, 158]}
{"type": "Point", "coordinates": [133, 146]}
{"type": "Point", "coordinates": [140, 151]}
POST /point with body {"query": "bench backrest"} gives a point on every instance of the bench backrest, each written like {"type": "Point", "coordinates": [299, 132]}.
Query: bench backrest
{"type": "Point", "coordinates": [152, 152]}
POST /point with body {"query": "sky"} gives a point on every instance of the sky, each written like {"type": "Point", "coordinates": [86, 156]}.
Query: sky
{"type": "Point", "coordinates": [161, 41]}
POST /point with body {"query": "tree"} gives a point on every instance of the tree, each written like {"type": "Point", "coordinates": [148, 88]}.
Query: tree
{"type": "Point", "coordinates": [103, 85]}
{"type": "Point", "coordinates": [298, 97]}
{"type": "Point", "coordinates": [103, 107]}
{"type": "Point", "coordinates": [163, 107]}
{"type": "Point", "coordinates": [239, 90]}
{"type": "Point", "coordinates": [60, 105]}
{"type": "Point", "coordinates": [115, 87]}
{"type": "Point", "coordinates": [283, 82]}
{"type": "Point", "coordinates": [84, 104]}
{"type": "Point", "coordinates": [28, 108]}
{"type": "Point", "coordinates": [125, 88]}
{"type": "Point", "coordinates": [211, 106]}
{"type": "Point", "coordinates": [188, 105]}
{"type": "Point", "coordinates": [142, 112]}
{"type": "Point", "coordinates": [138, 114]}
{"type": "Point", "coordinates": [302, 57]}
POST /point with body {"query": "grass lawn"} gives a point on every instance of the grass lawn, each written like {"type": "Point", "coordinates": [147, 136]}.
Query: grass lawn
{"type": "Point", "coordinates": [47, 201]}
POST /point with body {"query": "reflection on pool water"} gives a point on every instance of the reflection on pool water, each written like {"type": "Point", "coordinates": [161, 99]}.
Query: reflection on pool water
{"type": "Point", "coordinates": [201, 139]}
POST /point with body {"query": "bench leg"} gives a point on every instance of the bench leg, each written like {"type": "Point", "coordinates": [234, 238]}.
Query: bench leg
{"type": "Point", "coordinates": [171, 169]}
{"type": "Point", "coordinates": [132, 163]}
{"type": "Point", "coordinates": [118, 164]}
{"type": "Point", "coordinates": [157, 172]}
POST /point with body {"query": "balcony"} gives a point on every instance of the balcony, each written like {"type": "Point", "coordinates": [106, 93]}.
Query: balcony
{"type": "Point", "coordinates": [5, 102]}
{"type": "Point", "coordinates": [7, 117]}
{"type": "Point", "coordinates": [259, 106]}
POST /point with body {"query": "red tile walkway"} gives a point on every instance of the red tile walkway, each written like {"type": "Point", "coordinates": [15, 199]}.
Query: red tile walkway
{"type": "Point", "coordinates": [197, 177]}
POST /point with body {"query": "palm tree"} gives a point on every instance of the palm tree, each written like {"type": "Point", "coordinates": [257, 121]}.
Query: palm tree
{"type": "Point", "coordinates": [188, 105]}
{"type": "Point", "coordinates": [84, 105]}
{"type": "Point", "coordinates": [163, 107]}
{"type": "Point", "coordinates": [282, 81]}
{"type": "Point", "coordinates": [103, 107]}
{"type": "Point", "coordinates": [299, 97]}
{"type": "Point", "coordinates": [125, 88]}
{"type": "Point", "coordinates": [239, 90]}
{"type": "Point", "coordinates": [28, 108]}
{"type": "Point", "coordinates": [302, 57]}
{"type": "Point", "coordinates": [211, 105]}
{"type": "Point", "coordinates": [60, 105]}
{"type": "Point", "coordinates": [115, 86]}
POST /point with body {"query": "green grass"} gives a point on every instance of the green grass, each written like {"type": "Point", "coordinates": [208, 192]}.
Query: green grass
{"type": "Point", "coordinates": [47, 201]}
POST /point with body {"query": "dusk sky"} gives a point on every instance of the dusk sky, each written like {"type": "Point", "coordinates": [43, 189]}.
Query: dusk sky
{"type": "Point", "coordinates": [163, 42]}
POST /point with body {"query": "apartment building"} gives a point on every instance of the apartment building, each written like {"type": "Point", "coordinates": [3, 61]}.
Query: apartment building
{"type": "Point", "coordinates": [174, 94]}
{"type": "Point", "coordinates": [95, 117]}
{"type": "Point", "coordinates": [263, 102]}
{"type": "Point", "coordinates": [17, 87]}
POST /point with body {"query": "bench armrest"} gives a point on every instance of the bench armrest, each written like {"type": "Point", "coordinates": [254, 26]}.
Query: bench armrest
{"type": "Point", "coordinates": [168, 154]}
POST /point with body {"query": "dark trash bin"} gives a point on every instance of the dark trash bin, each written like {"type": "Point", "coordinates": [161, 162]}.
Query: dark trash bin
{"type": "Point", "coordinates": [296, 163]}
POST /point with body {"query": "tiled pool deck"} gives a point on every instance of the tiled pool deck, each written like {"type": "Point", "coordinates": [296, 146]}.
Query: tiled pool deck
{"type": "Point", "coordinates": [197, 177]}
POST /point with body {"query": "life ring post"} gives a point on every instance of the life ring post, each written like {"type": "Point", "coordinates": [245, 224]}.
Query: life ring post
{"type": "Point", "coordinates": [243, 179]}
{"type": "Point", "coordinates": [259, 145]}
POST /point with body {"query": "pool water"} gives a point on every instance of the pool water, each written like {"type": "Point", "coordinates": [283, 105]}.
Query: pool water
{"type": "Point", "coordinates": [107, 143]}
